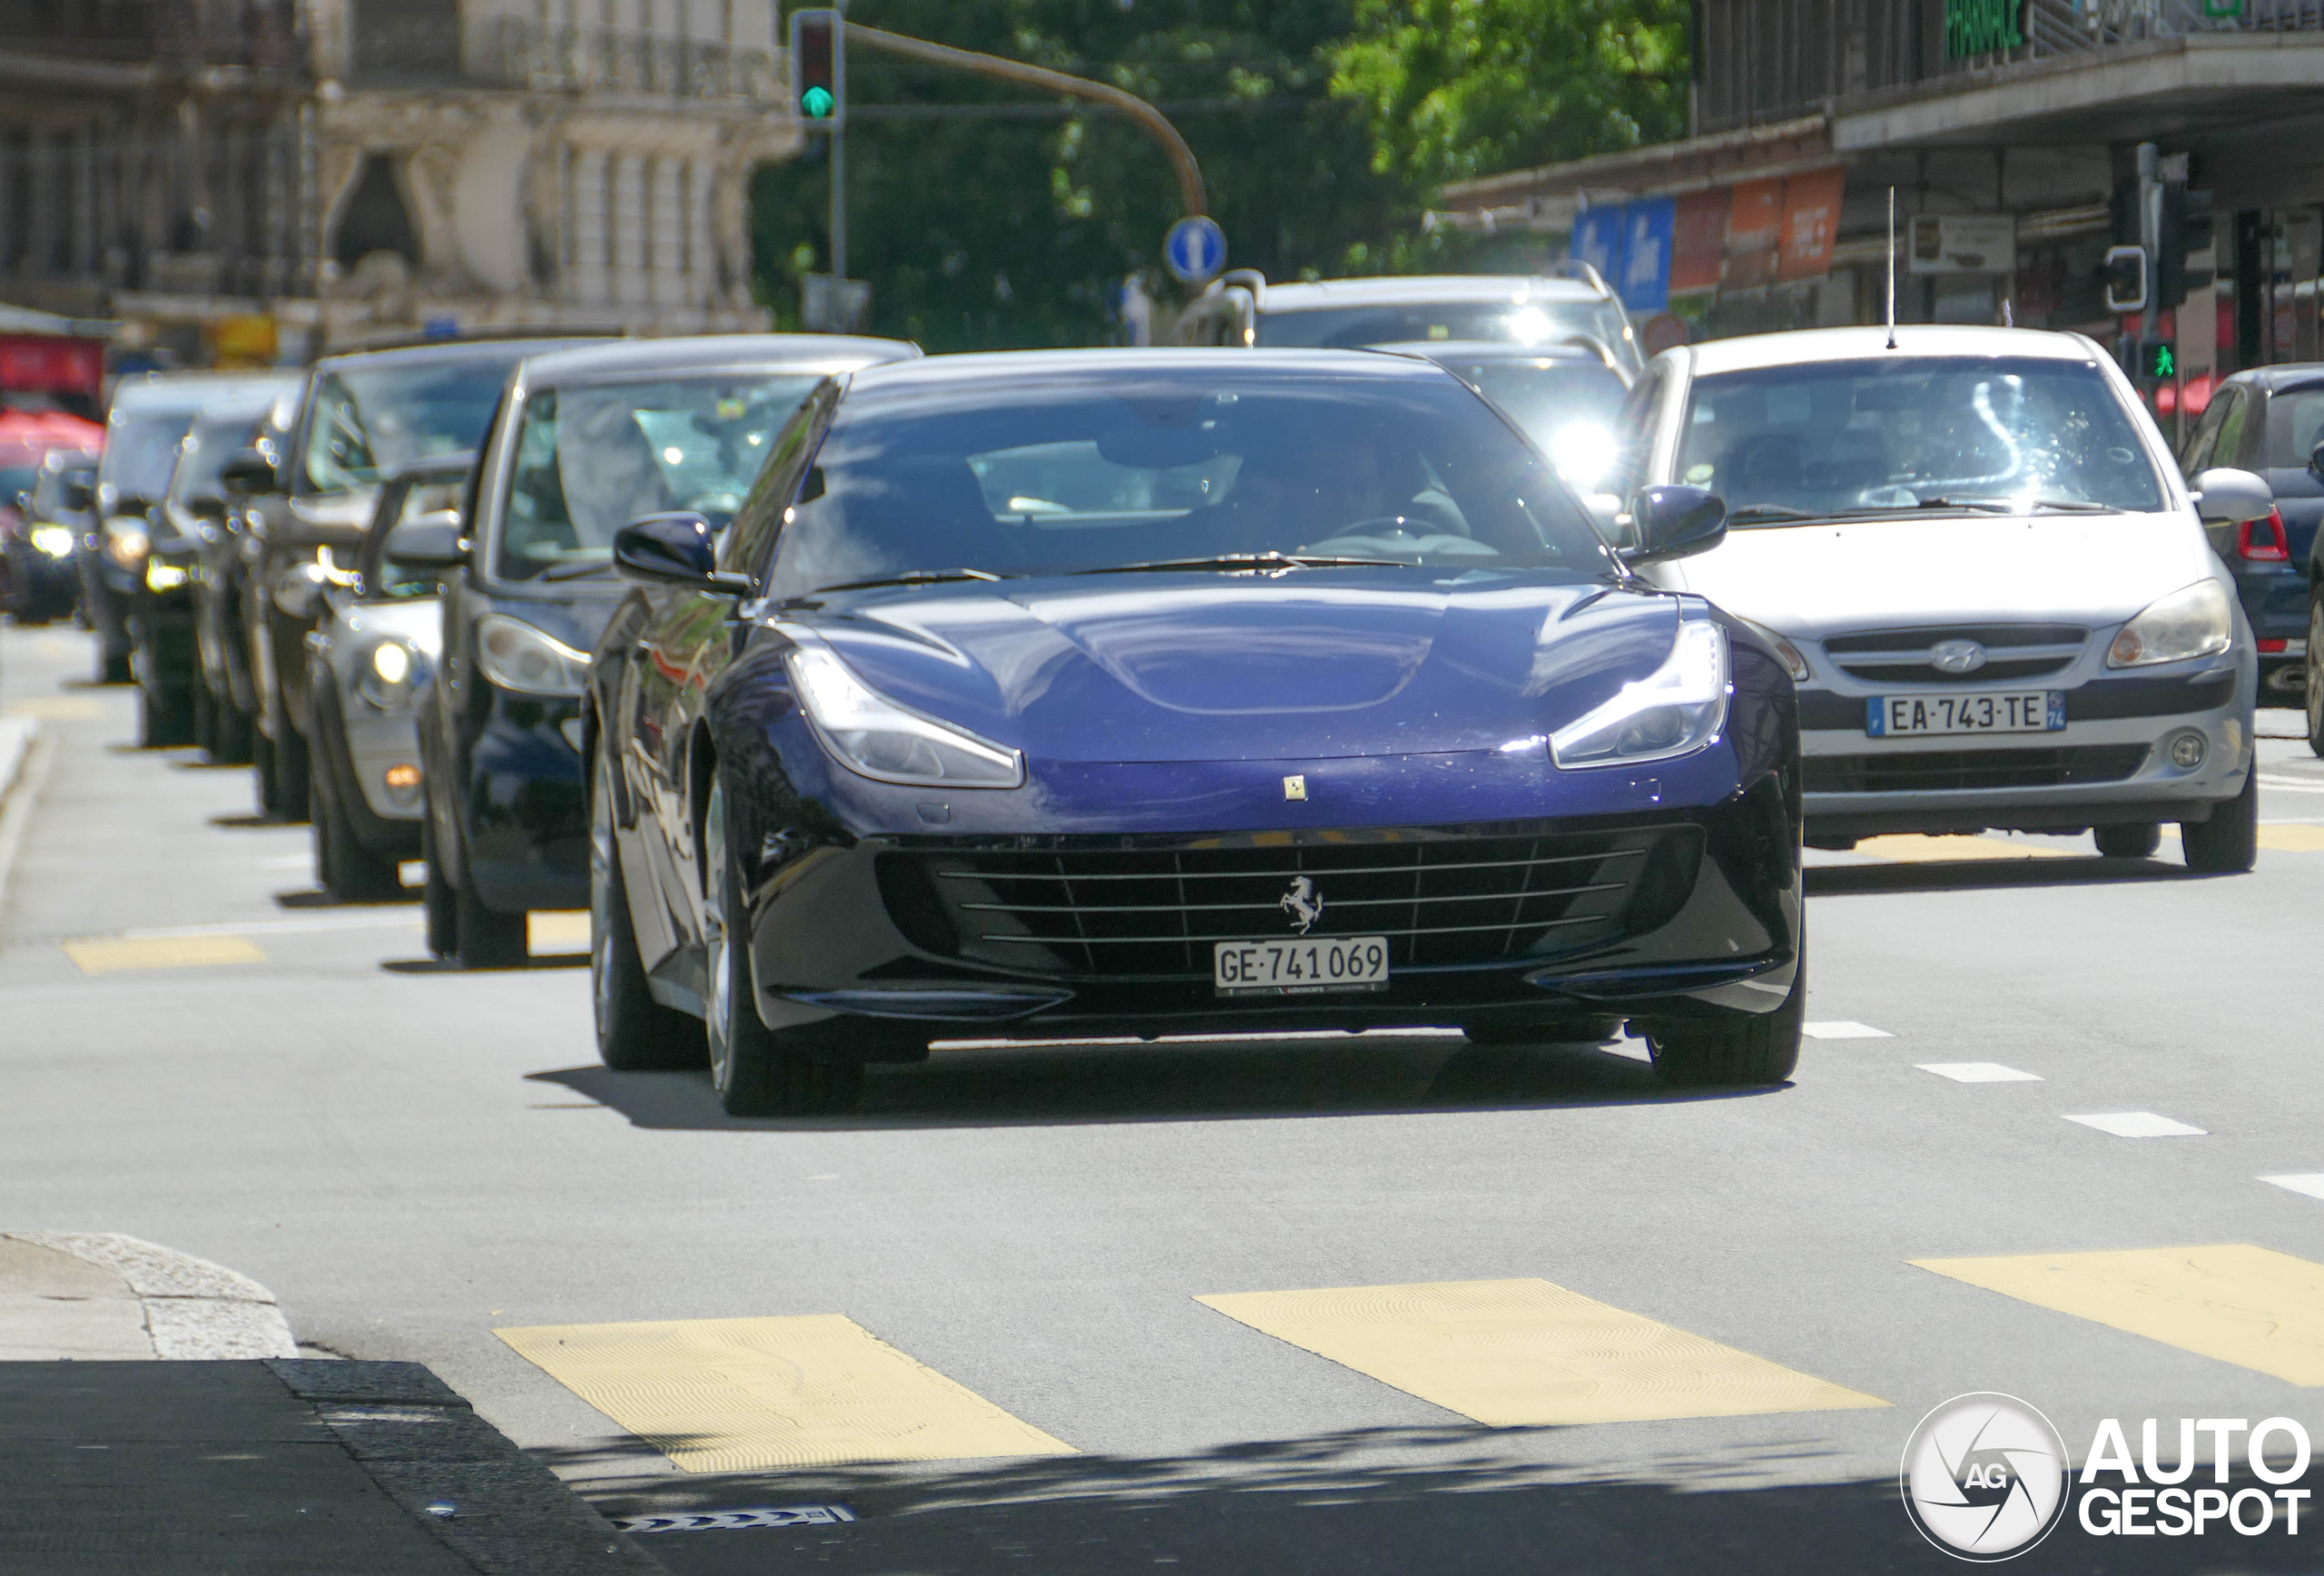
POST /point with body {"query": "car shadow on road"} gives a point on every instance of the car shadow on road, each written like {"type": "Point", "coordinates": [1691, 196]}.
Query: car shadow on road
{"type": "Point", "coordinates": [251, 819]}
{"type": "Point", "coordinates": [315, 898]}
{"type": "Point", "coordinates": [1826, 881]}
{"type": "Point", "coordinates": [1055, 1084]}
{"type": "Point", "coordinates": [1458, 1499]}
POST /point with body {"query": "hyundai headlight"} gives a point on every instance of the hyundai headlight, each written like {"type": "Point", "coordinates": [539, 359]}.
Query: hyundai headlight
{"type": "Point", "coordinates": [1788, 654]}
{"type": "Point", "coordinates": [52, 541]}
{"type": "Point", "coordinates": [1678, 708]}
{"type": "Point", "coordinates": [2197, 620]}
{"type": "Point", "coordinates": [391, 675]}
{"type": "Point", "coordinates": [517, 656]}
{"type": "Point", "coordinates": [873, 735]}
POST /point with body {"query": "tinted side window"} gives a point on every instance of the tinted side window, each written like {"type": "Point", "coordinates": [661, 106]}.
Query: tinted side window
{"type": "Point", "coordinates": [1634, 432]}
{"type": "Point", "coordinates": [2229, 448]}
{"type": "Point", "coordinates": [2198, 451]}
{"type": "Point", "coordinates": [749, 540]}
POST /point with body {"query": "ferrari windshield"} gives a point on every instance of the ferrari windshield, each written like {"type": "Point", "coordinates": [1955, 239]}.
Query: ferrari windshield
{"type": "Point", "coordinates": [591, 459]}
{"type": "Point", "coordinates": [1110, 472]}
{"type": "Point", "coordinates": [1876, 435]}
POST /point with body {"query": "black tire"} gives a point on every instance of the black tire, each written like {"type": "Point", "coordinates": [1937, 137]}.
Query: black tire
{"type": "Point", "coordinates": [1734, 1053]}
{"type": "Point", "coordinates": [2314, 684]}
{"type": "Point", "coordinates": [755, 1071]}
{"type": "Point", "coordinates": [231, 739]}
{"type": "Point", "coordinates": [205, 719]}
{"type": "Point", "coordinates": [485, 938]}
{"type": "Point", "coordinates": [113, 669]}
{"type": "Point", "coordinates": [262, 773]}
{"type": "Point", "coordinates": [293, 785]}
{"type": "Point", "coordinates": [348, 872]}
{"type": "Point", "coordinates": [2134, 840]}
{"type": "Point", "coordinates": [435, 895]}
{"type": "Point", "coordinates": [636, 1033]}
{"type": "Point", "coordinates": [164, 720]}
{"type": "Point", "coordinates": [2229, 842]}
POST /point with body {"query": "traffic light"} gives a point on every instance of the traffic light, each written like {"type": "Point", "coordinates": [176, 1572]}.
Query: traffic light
{"type": "Point", "coordinates": [2126, 279]}
{"type": "Point", "coordinates": [2159, 361]}
{"type": "Point", "coordinates": [818, 75]}
{"type": "Point", "coordinates": [2186, 228]}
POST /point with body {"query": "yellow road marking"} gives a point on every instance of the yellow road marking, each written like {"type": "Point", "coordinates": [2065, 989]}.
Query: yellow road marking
{"type": "Point", "coordinates": [103, 956]}
{"type": "Point", "coordinates": [551, 932]}
{"type": "Point", "coordinates": [57, 708]}
{"type": "Point", "coordinates": [754, 1394]}
{"type": "Point", "coordinates": [1914, 849]}
{"type": "Point", "coordinates": [2292, 837]}
{"type": "Point", "coordinates": [1520, 1353]}
{"type": "Point", "coordinates": [2250, 1307]}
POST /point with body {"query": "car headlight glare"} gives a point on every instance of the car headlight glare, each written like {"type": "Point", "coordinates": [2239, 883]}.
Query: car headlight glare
{"type": "Point", "coordinates": [390, 677]}
{"type": "Point", "coordinates": [126, 545]}
{"type": "Point", "coordinates": [2194, 621]}
{"type": "Point", "coordinates": [391, 660]}
{"type": "Point", "coordinates": [1788, 654]}
{"type": "Point", "coordinates": [52, 541]}
{"type": "Point", "coordinates": [874, 736]}
{"type": "Point", "coordinates": [1678, 708]}
{"type": "Point", "coordinates": [517, 656]}
{"type": "Point", "coordinates": [161, 577]}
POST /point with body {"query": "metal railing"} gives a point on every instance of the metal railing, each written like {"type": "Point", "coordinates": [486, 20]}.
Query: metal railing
{"type": "Point", "coordinates": [625, 60]}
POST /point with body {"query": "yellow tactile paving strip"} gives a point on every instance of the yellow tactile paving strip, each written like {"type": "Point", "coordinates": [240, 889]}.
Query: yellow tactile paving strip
{"type": "Point", "coordinates": [2291, 837]}
{"type": "Point", "coordinates": [2250, 1307]}
{"type": "Point", "coordinates": [110, 957]}
{"type": "Point", "coordinates": [556, 930]}
{"type": "Point", "coordinates": [754, 1394]}
{"type": "Point", "coordinates": [1524, 1353]}
{"type": "Point", "coordinates": [1912, 848]}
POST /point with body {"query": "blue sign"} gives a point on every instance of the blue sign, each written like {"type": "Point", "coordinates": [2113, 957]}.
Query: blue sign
{"type": "Point", "coordinates": [1598, 241]}
{"type": "Point", "coordinates": [1195, 249]}
{"type": "Point", "coordinates": [1644, 281]}
{"type": "Point", "coordinates": [441, 328]}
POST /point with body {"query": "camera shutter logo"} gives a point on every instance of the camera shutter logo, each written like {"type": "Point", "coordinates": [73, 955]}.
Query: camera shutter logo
{"type": "Point", "coordinates": [1985, 1477]}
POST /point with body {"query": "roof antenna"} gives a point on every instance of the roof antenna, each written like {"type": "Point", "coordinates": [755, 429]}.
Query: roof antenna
{"type": "Point", "coordinates": [1892, 268]}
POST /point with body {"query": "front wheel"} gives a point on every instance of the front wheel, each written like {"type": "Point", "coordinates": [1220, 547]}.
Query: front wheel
{"type": "Point", "coordinates": [2136, 840]}
{"type": "Point", "coordinates": [436, 895]}
{"type": "Point", "coordinates": [348, 872]}
{"type": "Point", "coordinates": [1737, 1052]}
{"type": "Point", "coordinates": [756, 1072]}
{"type": "Point", "coordinates": [2314, 682]}
{"type": "Point", "coordinates": [2229, 842]}
{"type": "Point", "coordinates": [635, 1032]}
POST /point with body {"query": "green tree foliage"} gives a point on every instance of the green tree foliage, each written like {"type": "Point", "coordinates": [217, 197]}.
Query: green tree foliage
{"type": "Point", "coordinates": [1459, 88]}
{"type": "Point", "coordinates": [987, 216]}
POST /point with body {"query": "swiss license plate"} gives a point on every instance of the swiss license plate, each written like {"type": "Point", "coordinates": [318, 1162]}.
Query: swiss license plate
{"type": "Point", "coordinates": [1302, 966]}
{"type": "Point", "coordinates": [1988, 711]}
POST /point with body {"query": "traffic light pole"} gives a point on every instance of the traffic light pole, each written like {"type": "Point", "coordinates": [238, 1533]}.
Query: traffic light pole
{"type": "Point", "coordinates": [839, 162]}
{"type": "Point", "coordinates": [2150, 239]}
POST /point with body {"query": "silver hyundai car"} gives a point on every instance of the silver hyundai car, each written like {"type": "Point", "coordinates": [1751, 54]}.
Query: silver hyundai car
{"type": "Point", "coordinates": [1974, 552]}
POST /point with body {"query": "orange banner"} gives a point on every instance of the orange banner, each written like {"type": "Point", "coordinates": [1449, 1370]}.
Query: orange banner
{"type": "Point", "coordinates": [1811, 223]}
{"type": "Point", "coordinates": [1753, 230]}
{"type": "Point", "coordinates": [1697, 237]}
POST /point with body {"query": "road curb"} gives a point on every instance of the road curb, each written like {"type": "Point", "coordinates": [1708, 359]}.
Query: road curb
{"type": "Point", "coordinates": [19, 737]}
{"type": "Point", "coordinates": [194, 1310]}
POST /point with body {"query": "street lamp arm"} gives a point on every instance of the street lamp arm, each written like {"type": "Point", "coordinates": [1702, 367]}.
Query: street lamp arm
{"type": "Point", "coordinates": [1155, 124]}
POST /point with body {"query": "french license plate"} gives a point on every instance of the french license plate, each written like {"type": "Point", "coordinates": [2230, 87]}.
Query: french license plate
{"type": "Point", "coordinates": [1304, 966]}
{"type": "Point", "coordinates": [1992, 711]}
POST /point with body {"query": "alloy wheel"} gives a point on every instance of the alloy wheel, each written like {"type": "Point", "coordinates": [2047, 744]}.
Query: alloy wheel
{"type": "Point", "coordinates": [2314, 664]}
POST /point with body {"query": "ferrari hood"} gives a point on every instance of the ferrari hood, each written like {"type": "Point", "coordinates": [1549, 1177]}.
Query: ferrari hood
{"type": "Point", "coordinates": [1308, 665]}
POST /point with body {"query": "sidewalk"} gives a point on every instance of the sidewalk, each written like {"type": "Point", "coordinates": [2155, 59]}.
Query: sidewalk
{"type": "Point", "coordinates": [153, 1420]}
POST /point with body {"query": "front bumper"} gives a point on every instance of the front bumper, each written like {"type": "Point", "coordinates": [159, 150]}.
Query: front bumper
{"type": "Point", "coordinates": [42, 586]}
{"type": "Point", "coordinates": [525, 814]}
{"type": "Point", "coordinates": [874, 938]}
{"type": "Point", "coordinates": [2110, 764]}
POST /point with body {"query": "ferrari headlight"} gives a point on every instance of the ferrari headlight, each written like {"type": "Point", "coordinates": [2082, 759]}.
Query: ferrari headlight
{"type": "Point", "coordinates": [517, 656]}
{"type": "Point", "coordinates": [873, 735]}
{"type": "Point", "coordinates": [2194, 621]}
{"type": "Point", "coordinates": [1793, 662]}
{"type": "Point", "coordinates": [52, 541]}
{"type": "Point", "coordinates": [391, 676]}
{"type": "Point", "coordinates": [1679, 707]}
{"type": "Point", "coordinates": [126, 543]}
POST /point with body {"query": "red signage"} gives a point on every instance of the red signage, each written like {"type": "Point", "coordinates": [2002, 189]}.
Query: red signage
{"type": "Point", "coordinates": [1811, 223]}
{"type": "Point", "coordinates": [1697, 237]}
{"type": "Point", "coordinates": [51, 364]}
{"type": "Point", "coordinates": [1753, 230]}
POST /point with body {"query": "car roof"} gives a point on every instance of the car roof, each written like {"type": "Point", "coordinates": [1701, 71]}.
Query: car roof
{"type": "Point", "coordinates": [1800, 346]}
{"type": "Point", "coordinates": [1495, 351]}
{"type": "Point", "coordinates": [2284, 375]}
{"type": "Point", "coordinates": [1034, 365]}
{"type": "Point", "coordinates": [454, 350]}
{"type": "Point", "coordinates": [806, 352]}
{"type": "Point", "coordinates": [194, 390]}
{"type": "Point", "coordinates": [1514, 288]}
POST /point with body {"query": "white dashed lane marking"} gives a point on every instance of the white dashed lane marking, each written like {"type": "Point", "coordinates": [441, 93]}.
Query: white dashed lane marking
{"type": "Point", "coordinates": [2311, 1183]}
{"type": "Point", "coordinates": [1978, 1072]}
{"type": "Point", "coordinates": [2138, 1125]}
{"type": "Point", "coordinates": [1844, 1031]}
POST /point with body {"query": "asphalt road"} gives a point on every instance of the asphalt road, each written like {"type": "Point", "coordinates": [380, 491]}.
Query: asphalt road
{"type": "Point", "coordinates": [413, 1157]}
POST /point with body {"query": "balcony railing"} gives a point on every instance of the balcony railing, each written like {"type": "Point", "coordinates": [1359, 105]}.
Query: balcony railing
{"type": "Point", "coordinates": [264, 35]}
{"type": "Point", "coordinates": [627, 61]}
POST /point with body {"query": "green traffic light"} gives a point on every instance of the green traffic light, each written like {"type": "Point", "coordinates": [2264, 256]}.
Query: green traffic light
{"type": "Point", "coordinates": [818, 102]}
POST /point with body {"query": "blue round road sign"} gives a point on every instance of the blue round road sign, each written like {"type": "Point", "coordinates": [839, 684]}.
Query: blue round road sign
{"type": "Point", "coordinates": [1195, 249]}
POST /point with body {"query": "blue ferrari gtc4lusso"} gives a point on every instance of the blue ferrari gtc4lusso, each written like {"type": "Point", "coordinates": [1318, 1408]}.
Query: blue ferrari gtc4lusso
{"type": "Point", "coordinates": [1104, 692]}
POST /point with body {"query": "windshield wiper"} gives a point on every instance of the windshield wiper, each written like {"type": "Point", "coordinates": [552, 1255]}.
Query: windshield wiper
{"type": "Point", "coordinates": [1772, 512]}
{"type": "Point", "coordinates": [578, 571]}
{"type": "Point", "coordinates": [2011, 506]}
{"type": "Point", "coordinates": [1268, 560]}
{"type": "Point", "coordinates": [913, 577]}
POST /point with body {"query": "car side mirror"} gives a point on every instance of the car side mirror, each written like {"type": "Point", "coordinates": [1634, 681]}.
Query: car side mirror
{"type": "Point", "coordinates": [2224, 495]}
{"type": "Point", "coordinates": [248, 471]}
{"type": "Point", "coordinates": [428, 541]}
{"type": "Point", "coordinates": [1672, 521]}
{"type": "Point", "coordinates": [2315, 460]}
{"type": "Point", "coordinates": [675, 549]}
{"type": "Point", "coordinates": [78, 493]}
